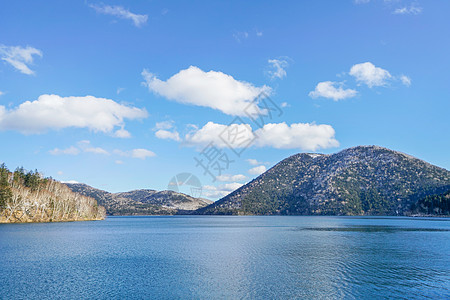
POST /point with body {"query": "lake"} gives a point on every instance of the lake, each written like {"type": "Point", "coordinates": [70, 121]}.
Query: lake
{"type": "Point", "coordinates": [210, 257]}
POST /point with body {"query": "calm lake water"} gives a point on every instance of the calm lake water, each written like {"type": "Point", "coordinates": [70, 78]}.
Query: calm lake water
{"type": "Point", "coordinates": [227, 257]}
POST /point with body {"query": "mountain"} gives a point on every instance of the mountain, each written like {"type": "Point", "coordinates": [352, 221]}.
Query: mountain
{"type": "Point", "coordinates": [433, 204]}
{"type": "Point", "coordinates": [364, 180]}
{"type": "Point", "coordinates": [141, 202]}
{"type": "Point", "coordinates": [28, 197]}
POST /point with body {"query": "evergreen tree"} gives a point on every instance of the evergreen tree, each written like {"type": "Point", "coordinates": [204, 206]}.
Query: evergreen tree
{"type": "Point", "coordinates": [5, 189]}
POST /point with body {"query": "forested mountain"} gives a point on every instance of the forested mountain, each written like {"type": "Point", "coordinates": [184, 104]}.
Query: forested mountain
{"type": "Point", "coordinates": [28, 197]}
{"type": "Point", "coordinates": [364, 180]}
{"type": "Point", "coordinates": [433, 204]}
{"type": "Point", "coordinates": [141, 202]}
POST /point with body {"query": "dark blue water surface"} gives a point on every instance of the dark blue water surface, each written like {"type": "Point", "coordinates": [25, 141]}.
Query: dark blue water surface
{"type": "Point", "coordinates": [227, 257]}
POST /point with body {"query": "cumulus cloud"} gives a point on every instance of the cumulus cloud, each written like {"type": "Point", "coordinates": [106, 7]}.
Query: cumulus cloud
{"type": "Point", "coordinates": [136, 153]}
{"type": "Point", "coordinates": [19, 57]}
{"type": "Point", "coordinates": [122, 133]}
{"type": "Point", "coordinates": [86, 146]}
{"type": "Point", "coordinates": [230, 178]}
{"type": "Point", "coordinates": [97, 150]}
{"type": "Point", "coordinates": [364, 73]}
{"type": "Point", "coordinates": [163, 132]}
{"type": "Point", "coordinates": [213, 132]}
{"type": "Point", "coordinates": [164, 125]}
{"type": "Point", "coordinates": [413, 9]}
{"type": "Point", "coordinates": [305, 136]}
{"type": "Point", "coordinates": [142, 153]}
{"type": "Point", "coordinates": [208, 89]}
{"type": "Point", "coordinates": [253, 162]}
{"type": "Point", "coordinates": [370, 75]}
{"type": "Point", "coordinates": [216, 192]}
{"type": "Point", "coordinates": [120, 12]}
{"type": "Point", "coordinates": [278, 68]}
{"type": "Point", "coordinates": [332, 90]}
{"type": "Point", "coordinates": [257, 170]}
{"type": "Point", "coordinates": [405, 80]}
{"type": "Point", "coordinates": [56, 112]}
{"type": "Point", "coordinates": [168, 135]}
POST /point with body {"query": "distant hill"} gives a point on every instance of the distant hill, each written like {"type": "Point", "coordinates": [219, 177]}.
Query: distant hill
{"type": "Point", "coordinates": [25, 196]}
{"type": "Point", "coordinates": [364, 180]}
{"type": "Point", "coordinates": [141, 202]}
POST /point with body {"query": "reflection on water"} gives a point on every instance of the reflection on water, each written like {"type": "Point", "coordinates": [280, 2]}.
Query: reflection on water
{"type": "Point", "coordinates": [373, 228]}
{"type": "Point", "coordinates": [227, 257]}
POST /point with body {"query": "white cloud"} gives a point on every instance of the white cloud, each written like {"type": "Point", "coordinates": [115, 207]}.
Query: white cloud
{"type": "Point", "coordinates": [254, 162]}
{"type": "Point", "coordinates": [257, 170]}
{"type": "Point", "coordinates": [365, 73]}
{"type": "Point", "coordinates": [1, 93]}
{"type": "Point", "coordinates": [240, 36]}
{"type": "Point", "coordinates": [19, 57]}
{"type": "Point", "coordinates": [96, 150]}
{"type": "Point", "coordinates": [60, 172]}
{"type": "Point", "coordinates": [216, 192]}
{"type": "Point", "coordinates": [408, 10]}
{"type": "Point", "coordinates": [285, 104]}
{"type": "Point", "coordinates": [305, 136]}
{"type": "Point", "coordinates": [208, 89]}
{"type": "Point", "coordinates": [405, 80]}
{"type": "Point", "coordinates": [278, 68]}
{"type": "Point", "coordinates": [332, 90]}
{"type": "Point", "coordinates": [168, 135]}
{"type": "Point", "coordinates": [82, 146]}
{"type": "Point", "coordinates": [231, 186]}
{"type": "Point", "coordinates": [86, 147]}
{"type": "Point", "coordinates": [370, 75]}
{"type": "Point", "coordinates": [55, 112]}
{"type": "Point", "coordinates": [142, 153]}
{"type": "Point", "coordinates": [413, 9]}
{"type": "Point", "coordinates": [163, 131]}
{"type": "Point", "coordinates": [70, 181]}
{"type": "Point", "coordinates": [122, 133]}
{"type": "Point", "coordinates": [135, 153]}
{"type": "Point", "coordinates": [229, 178]}
{"type": "Point", "coordinates": [119, 11]}
{"type": "Point", "coordinates": [164, 125]}
{"type": "Point", "coordinates": [212, 132]}
{"type": "Point", "coordinates": [70, 151]}
{"type": "Point", "coordinates": [120, 90]}
{"type": "Point", "coordinates": [121, 153]}
{"type": "Point", "coordinates": [259, 33]}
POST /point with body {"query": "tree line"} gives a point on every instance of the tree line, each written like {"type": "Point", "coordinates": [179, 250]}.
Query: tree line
{"type": "Point", "coordinates": [27, 196]}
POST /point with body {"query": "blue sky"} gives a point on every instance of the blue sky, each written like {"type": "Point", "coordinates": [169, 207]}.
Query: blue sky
{"type": "Point", "coordinates": [125, 95]}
